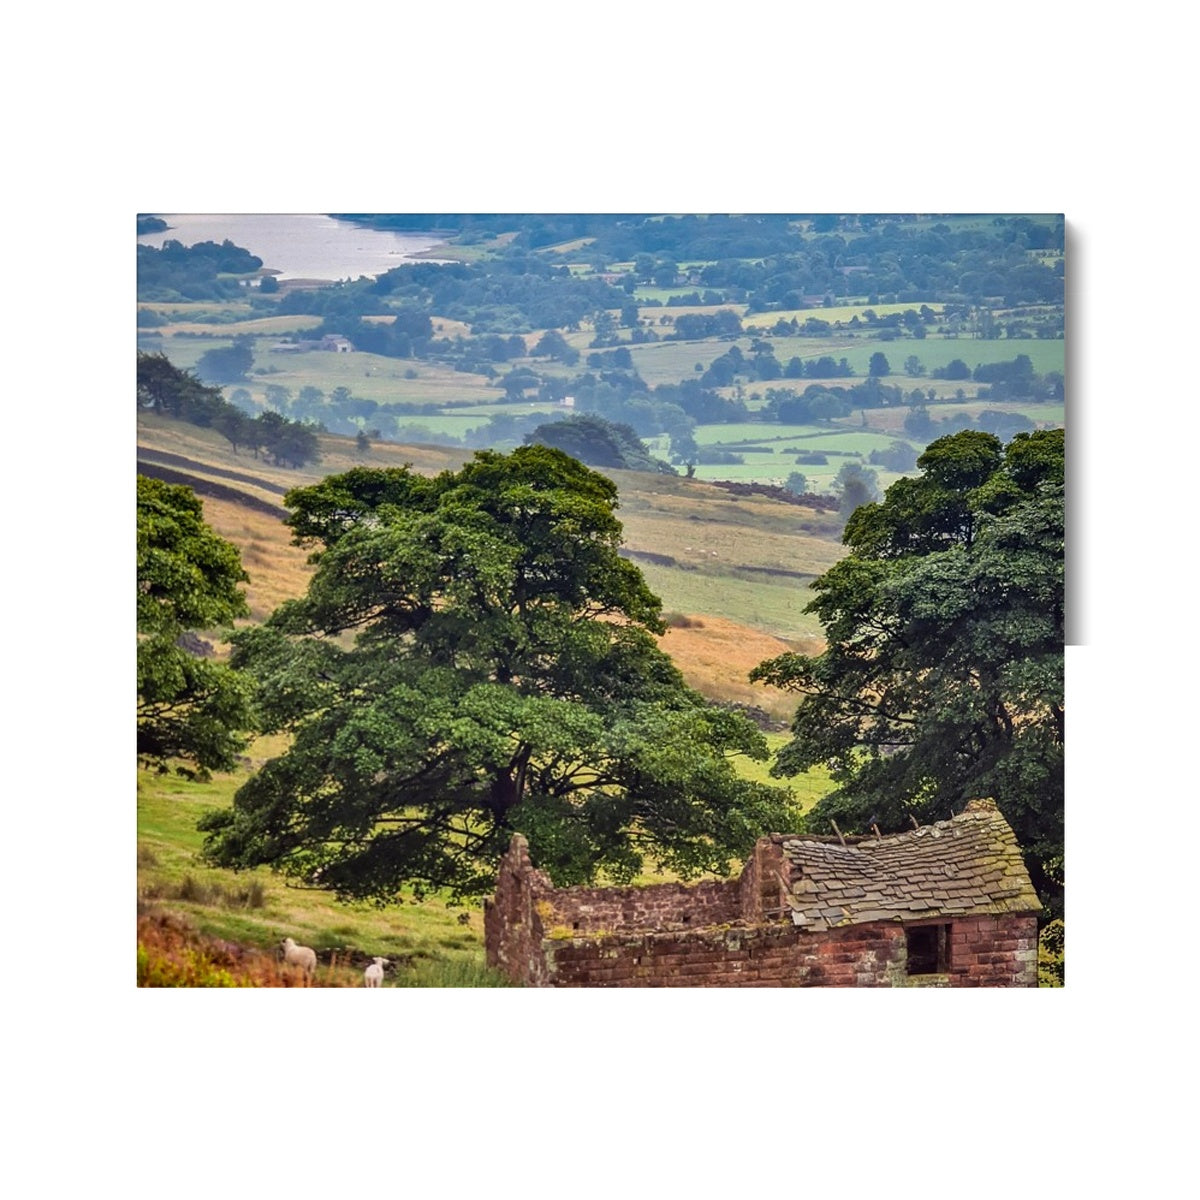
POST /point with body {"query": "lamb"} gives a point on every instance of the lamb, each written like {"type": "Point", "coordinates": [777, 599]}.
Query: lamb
{"type": "Point", "coordinates": [373, 975]}
{"type": "Point", "coordinates": [300, 956]}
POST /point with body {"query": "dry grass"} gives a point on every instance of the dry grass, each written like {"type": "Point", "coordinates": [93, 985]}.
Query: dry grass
{"type": "Point", "coordinates": [278, 570]}
{"type": "Point", "coordinates": [716, 657]}
{"type": "Point", "coordinates": [709, 545]}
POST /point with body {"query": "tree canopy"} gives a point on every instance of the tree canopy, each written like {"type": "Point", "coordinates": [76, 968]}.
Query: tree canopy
{"type": "Point", "coordinates": [191, 711]}
{"type": "Point", "coordinates": [943, 674]}
{"type": "Point", "coordinates": [473, 658]}
{"type": "Point", "coordinates": [597, 442]}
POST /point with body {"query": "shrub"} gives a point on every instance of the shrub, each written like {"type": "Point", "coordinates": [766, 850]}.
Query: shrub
{"type": "Point", "coordinates": [196, 891]}
{"type": "Point", "coordinates": [172, 953]}
{"type": "Point", "coordinates": [185, 968]}
{"type": "Point", "coordinates": [1051, 955]}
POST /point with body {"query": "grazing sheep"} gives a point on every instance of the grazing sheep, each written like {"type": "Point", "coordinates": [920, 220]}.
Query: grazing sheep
{"type": "Point", "coordinates": [300, 956]}
{"type": "Point", "coordinates": [373, 975]}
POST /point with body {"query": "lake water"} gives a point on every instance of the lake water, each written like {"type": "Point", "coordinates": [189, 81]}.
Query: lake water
{"type": "Point", "coordinates": [299, 245]}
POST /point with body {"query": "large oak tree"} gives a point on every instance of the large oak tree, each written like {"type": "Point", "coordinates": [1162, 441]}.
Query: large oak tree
{"type": "Point", "coordinates": [473, 658]}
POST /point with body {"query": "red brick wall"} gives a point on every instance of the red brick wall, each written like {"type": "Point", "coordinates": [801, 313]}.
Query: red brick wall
{"type": "Point", "coordinates": [585, 910]}
{"type": "Point", "coordinates": [763, 882]}
{"type": "Point", "coordinates": [720, 935]}
{"type": "Point", "coordinates": [777, 955]}
{"type": "Point", "coordinates": [994, 951]}
{"type": "Point", "coordinates": [512, 925]}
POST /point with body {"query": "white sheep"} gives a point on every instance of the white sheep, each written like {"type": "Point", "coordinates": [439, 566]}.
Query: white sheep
{"type": "Point", "coordinates": [373, 975]}
{"type": "Point", "coordinates": [300, 956]}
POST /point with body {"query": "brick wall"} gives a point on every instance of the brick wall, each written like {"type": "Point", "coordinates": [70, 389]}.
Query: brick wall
{"type": "Point", "coordinates": [778, 955]}
{"type": "Point", "coordinates": [994, 951]}
{"type": "Point", "coordinates": [513, 929]}
{"type": "Point", "coordinates": [662, 906]}
{"type": "Point", "coordinates": [764, 881]}
{"type": "Point", "coordinates": [715, 934]}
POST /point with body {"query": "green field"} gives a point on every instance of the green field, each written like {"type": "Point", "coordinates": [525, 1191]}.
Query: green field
{"type": "Point", "coordinates": [256, 908]}
{"type": "Point", "coordinates": [370, 376]}
{"type": "Point", "coordinates": [671, 361]}
{"type": "Point", "coordinates": [791, 437]}
{"type": "Point", "coordinates": [1046, 354]}
{"type": "Point", "coordinates": [837, 312]}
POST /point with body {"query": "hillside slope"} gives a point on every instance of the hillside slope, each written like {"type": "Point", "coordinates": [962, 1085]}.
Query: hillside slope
{"type": "Point", "coordinates": [732, 571]}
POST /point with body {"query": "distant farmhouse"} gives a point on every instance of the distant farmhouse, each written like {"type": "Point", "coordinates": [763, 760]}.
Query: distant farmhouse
{"type": "Point", "coordinates": [331, 341]}
{"type": "Point", "coordinates": [943, 905]}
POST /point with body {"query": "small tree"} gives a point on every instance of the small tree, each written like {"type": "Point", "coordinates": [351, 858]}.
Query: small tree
{"type": "Point", "coordinates": [854, 485]}
{"type": "Point", "coordinates": [797, 482]}
{"type": "Point", "coordinates": [234, 425]}
{"type": "Point", "coordinates": [226, 364]}
{"type": "Point", "coordinates": [552, 344]}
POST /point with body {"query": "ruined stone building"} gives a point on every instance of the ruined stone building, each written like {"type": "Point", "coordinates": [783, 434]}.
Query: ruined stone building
{"type": "Point", "coordinates": [943, 905]}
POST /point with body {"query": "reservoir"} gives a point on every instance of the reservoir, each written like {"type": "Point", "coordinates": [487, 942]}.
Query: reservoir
{"type": "Point", "coordinates": [300, 245]}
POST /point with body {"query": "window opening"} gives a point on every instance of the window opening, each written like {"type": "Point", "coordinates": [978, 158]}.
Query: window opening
{"type": "Point", "coordinates": [928, 949]}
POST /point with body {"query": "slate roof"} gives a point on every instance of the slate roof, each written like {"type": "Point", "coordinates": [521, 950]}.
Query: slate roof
{"type": "Point", "coordinates": [967, 866]}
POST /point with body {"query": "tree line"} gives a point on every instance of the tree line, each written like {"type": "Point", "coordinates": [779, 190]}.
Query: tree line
{"type": "Point", "coordinates": [164, 388]}
{"type": "Point", "coordinates": [177, 272]}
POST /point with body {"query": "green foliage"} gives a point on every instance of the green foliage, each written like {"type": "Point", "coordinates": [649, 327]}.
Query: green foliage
{"type": "Point", "coordinates": [1052, 955]}
{"type": "Point", "coordinates": [226, 364]}
{"type": "Point", "coordinates": [191, 711]}
{"type": "Point", "coordinates": [503, 676]}
{"type": "Point", "coordinates": [188, 967]}
{"type": "Point", "coordinates": [552, 344]}
{"type": "Point", "coordinates": [179, 272]}
{"type": "Point", "coordinates": [165, 388]}
{"type": "Point", "coordinates": [899, 456]}
{"type": "Point", "coordinates": [598, 442]}
{"type": "Point", "coordinates": [456, 973]}
{"type": "Point", "coordinates": [855, 485]}
{"type": "Point", "coordinates": [943, 676]}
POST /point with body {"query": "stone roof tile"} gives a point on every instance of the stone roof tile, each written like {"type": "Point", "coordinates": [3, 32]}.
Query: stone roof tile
{"type": "Point", "coordinates": [968, 865]}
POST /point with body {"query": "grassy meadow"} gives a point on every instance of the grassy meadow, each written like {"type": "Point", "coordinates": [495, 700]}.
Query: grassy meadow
{"type": "Point", "coordinates": [426, 942]}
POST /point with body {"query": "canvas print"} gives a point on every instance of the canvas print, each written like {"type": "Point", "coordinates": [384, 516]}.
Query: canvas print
{"type": "Point", "coordinates": [600, 600]}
